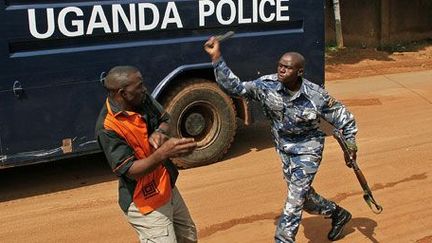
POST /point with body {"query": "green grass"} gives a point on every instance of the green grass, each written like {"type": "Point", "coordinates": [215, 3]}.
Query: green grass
{"type": "Point", "coordinates": [407, 46]}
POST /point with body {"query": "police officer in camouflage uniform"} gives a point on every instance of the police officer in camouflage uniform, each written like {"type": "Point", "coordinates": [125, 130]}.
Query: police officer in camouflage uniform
{"type": "Point", "coordinates": [294, 106]}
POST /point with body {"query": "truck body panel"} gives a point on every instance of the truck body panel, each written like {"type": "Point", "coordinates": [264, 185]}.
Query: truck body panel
{"type": "Point", "coordinates": [53, 54]}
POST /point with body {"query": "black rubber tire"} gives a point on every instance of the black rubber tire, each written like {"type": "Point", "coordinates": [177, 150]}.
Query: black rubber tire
{"type": "Point", "coordinates": [200, 109]}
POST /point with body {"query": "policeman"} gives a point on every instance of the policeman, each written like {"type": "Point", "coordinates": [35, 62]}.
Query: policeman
{"type": "Point", "coordinates": [294, 106]}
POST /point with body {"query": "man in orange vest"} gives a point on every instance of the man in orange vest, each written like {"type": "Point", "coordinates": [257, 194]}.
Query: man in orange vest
{"type": "Point", "coordinates": [133, 131]}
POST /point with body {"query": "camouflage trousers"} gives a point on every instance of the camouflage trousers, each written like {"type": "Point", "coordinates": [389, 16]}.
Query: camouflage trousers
{"type": "Point", "coordinates": [299, 172]}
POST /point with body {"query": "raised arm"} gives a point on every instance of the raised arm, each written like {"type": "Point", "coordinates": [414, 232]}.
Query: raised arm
{"type": "Point", "coordinates": [225, 77]}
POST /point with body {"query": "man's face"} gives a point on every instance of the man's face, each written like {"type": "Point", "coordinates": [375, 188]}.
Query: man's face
{"type": "Point", "coordinates": [134, 92]}
{"type": "Point", "coordinates": [288, 69]}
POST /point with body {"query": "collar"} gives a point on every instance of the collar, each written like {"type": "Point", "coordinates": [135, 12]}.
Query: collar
{"type": "Point", "coordinates": [115, 110]}
{"type": "Point", "coordinates": [302, 90]}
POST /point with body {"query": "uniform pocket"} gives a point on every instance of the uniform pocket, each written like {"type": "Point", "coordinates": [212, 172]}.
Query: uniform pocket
{"type": "Point", "coordinates": [306, 116]}
{"type": "Point", "coordinates": [156, 234]}
{"type": "Point", "coordinates": [158, 231]}
{"type": "Point", "coordinates": [307, 164]}
{"type": "Point", "coordinates": [274, 106]}
{"type": "Point", "coordinates": [309, 114]}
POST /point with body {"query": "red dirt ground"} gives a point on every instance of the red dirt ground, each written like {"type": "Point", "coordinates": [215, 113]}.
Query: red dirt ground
{"type": "Point", "coordinates": [355, 62]}
{"type": "Point", "coordinates": [239, 199]}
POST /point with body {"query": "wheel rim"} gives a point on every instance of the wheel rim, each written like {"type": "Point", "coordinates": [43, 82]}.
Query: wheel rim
{"type": "Point", "coordinates": [201, 121]}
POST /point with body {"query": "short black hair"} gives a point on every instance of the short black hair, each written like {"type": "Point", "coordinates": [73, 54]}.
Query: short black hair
{"type": "Point", "coordinates": [118, 77]}
{"type": "Point", "coordinates": [299, 58]}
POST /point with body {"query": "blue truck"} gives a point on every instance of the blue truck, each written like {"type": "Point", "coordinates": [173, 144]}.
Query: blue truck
{"type": "Point", "coordinates": [54, 53]}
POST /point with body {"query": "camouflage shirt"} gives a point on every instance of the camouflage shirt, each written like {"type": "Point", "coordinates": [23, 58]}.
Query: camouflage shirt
{"type": "Point", "coordinates": [294, 117]}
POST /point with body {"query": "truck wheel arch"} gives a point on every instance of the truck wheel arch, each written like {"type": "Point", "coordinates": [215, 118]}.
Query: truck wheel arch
{"type": "Point", "coordinates": [211, 104]}
{"type": "Point", "coordinates": [199, 71]}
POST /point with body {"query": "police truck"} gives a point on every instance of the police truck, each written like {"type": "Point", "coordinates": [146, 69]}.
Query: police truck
{"type": "Point", "coordinates": [54, 54]}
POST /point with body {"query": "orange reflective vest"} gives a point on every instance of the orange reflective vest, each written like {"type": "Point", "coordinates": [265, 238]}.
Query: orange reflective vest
{"type": "Point", "coordinates": [154, 189]}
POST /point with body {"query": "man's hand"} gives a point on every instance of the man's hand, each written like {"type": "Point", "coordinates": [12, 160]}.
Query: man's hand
{"type": "Point", "coordinates": [351, 154]}
{"type": "Point", "coordinates": [177, 147]}
{"type": "Point", "coordinates": [157, 138]}
{"type": "Point", "coordinates": [212, 47]}
{"type": "Point", "coordinates": [350, 157]}
{"type": "Point", "coordinates": [173, 147]}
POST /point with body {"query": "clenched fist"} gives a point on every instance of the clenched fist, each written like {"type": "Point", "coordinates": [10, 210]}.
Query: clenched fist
{"type": "Point", "coordinates": [212, 47]}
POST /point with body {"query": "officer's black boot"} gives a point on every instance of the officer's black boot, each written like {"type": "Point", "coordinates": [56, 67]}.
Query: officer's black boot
{"type": "Point", "coordinates": [340, 218]}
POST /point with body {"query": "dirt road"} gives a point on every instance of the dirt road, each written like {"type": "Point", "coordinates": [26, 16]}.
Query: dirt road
{"type": "Point", "coordinates": [239, 199]}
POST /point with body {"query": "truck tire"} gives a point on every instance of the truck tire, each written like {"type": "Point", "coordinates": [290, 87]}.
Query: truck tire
{"type": "Point", "coordinates": [200, 109]}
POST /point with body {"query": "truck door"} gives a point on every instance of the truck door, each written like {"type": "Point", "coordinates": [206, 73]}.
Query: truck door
{"type": "Point", "coordinates": [47, 99]}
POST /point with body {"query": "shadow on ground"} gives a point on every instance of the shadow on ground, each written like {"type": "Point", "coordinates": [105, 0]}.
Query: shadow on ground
{"type": "Point", "coordinates": [50, 177]}
{"type": "Point", "coordinates": [255, 137]}
{"type": "Point", "coordinates": [316, 228]}
{"type": "Point", "coordinates": [32, 180]}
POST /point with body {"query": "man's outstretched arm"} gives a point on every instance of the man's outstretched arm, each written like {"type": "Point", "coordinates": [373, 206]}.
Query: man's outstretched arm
{"type": "Point", "coordinates": [224, 76]}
